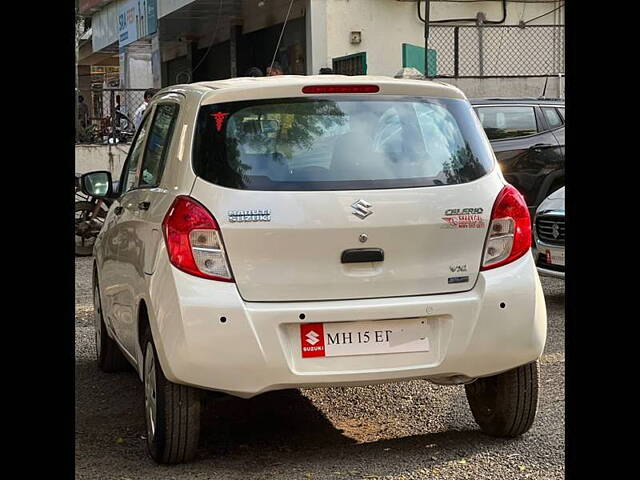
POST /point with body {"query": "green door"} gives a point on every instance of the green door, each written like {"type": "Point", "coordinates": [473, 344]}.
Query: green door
{"type": "Point", "coordinates": [413, 56]}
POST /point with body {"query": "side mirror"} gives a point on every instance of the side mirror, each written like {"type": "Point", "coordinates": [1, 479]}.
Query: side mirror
{"type": "Point", "coordinates": [97, 184]}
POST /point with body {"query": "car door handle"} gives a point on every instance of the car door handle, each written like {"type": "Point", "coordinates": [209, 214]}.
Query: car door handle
{"type": "Point", "coordinates": [144, 205]}
{"type": "Point", "coordinates": [539, 146]}
{"type": "Point", "coordinates": [118, 210]}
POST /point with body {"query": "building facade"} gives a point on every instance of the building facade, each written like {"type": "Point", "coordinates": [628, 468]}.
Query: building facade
{"type": "Point", "coordinates": [479, 45]}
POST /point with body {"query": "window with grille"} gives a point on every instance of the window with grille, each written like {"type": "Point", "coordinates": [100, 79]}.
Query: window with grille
{"type": "Point", "coordinates": [351, 64]}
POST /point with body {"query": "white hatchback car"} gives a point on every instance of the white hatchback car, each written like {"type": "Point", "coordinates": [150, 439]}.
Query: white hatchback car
{"type": "Point", "coordinates": [291, 231]}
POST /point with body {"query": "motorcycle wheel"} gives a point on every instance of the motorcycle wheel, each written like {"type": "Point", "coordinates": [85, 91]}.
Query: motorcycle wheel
{"type": "Point", "coordinates": [87, 230]}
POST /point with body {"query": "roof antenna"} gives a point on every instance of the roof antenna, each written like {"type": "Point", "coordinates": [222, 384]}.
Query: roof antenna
{"type": "Point", "coordinates": [544, 90]}
{"type": "Point", "coordinates": [281, 34]}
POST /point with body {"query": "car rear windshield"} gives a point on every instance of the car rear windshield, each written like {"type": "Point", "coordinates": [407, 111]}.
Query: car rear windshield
{"type": "Point", "coordinates": [341, 143]}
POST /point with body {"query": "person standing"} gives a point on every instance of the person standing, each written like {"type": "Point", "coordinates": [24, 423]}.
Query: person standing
{"type": "Point", "coordinates": [137, 117]}
{"type": "Point", "coordinates": [83, 112]}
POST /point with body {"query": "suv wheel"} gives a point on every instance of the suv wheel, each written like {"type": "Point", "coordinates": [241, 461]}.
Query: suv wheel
{"type": "Point", "coordinates": [504, 405]}
{"type": "Point", "coordinates": [172, 412]}
{"type": "Point", "coordinates": [108, 355]}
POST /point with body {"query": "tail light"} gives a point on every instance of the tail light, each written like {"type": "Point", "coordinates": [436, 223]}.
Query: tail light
{"type": "Point", "coordinates": [509, 235]}
{"type": "Point", "coordinates": [194, 242]}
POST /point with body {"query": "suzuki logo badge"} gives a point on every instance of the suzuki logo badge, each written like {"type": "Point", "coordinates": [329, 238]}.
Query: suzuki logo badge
{"type": "Point", "coordinates": [312, 337]}
{"type": "Point", "coordinates": [555, 230]}
{"type": "Point", "coordinates": [362, 209]}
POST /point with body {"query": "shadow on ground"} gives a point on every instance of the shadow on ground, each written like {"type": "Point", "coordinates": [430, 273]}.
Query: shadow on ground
{"type": "Point", "coordinates": [271, 434]}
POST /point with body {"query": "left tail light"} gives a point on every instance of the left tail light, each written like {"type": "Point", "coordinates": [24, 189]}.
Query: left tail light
{"type": "Point", "coordinates": [194, 242]}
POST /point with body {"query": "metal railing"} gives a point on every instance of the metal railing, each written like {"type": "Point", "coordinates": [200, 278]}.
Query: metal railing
{"type": "Point", "coordinates": [498, 50]}
{"type": "Point", "coordinates": [111, 112]}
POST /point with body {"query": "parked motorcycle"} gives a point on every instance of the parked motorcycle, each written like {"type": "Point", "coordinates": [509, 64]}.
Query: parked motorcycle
{"type": "Point", "coordinates": [123, 129]}
{"type": "Point", "coordinates": [90, 214]}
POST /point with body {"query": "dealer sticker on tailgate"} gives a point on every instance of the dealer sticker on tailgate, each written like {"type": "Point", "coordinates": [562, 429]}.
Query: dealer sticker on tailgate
{"type": "Point", "coordinates": [335, 339]}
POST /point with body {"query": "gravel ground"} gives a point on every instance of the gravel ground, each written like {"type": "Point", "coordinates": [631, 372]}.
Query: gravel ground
{"type": "Point", "coordinates": [410, 430]}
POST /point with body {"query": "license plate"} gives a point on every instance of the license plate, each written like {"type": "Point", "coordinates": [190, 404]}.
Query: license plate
{"type": "Point", "coordinates": [555, 257]}
{"type": "Point", "coordinates": [335, 339]}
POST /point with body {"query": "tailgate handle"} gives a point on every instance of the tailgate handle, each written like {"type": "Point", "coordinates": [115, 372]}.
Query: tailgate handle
{"type": "Point", "coordinates": [361, 255]}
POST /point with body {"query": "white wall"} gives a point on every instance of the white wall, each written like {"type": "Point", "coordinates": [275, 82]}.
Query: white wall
{"type": "Point", "coordinates": [387, 24]}
{"type": "Point", "coordinates": [101, 157]}
{"type": "Point", "coordinates": [139, 72]}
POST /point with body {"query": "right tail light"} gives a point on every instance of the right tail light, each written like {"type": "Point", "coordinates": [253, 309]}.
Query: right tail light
{"type": "Point", "coordinates": [509, 236]}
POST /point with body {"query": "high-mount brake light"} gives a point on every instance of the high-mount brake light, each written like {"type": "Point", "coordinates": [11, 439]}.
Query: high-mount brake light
{"type": "Point", "coordinates": [509, 236]}
{"type": "Point", "coordinates": [194, 242]}
{"type": "Point", "coordinates": [314, 89]}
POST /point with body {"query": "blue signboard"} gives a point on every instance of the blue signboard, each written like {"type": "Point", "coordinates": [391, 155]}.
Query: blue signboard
{"type": "Point", "coordinates": [136, 19]}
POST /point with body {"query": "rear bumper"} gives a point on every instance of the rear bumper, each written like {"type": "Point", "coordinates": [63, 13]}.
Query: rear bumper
{"type": "Point", "coordinates": [550, 273]}
{"type": "Point", "coordinates": [257, 347]}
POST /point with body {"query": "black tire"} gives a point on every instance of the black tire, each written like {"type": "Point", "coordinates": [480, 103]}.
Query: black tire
{"type": "Point", "coordinates": [176, 432]}
{"type": "Point", "coordinates": [108, 355]}
{"type": "Point", "coordinates": [505, 405]}
{"type": "Point", "coordinates": [84, 245]}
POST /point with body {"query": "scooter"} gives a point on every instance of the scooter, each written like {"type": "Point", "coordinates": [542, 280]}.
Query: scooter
{"type": "Point", "coordinates": [90, 213]}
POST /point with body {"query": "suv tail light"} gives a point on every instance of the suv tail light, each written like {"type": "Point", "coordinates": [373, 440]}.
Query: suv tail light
{"type": "Point", "coordinates": [509, 235]}
{"type": "Point", "coordinates": [194, 242]}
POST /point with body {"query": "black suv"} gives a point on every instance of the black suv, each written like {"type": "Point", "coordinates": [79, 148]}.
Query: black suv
{"type": "Point", "coordinates": [527, 136]}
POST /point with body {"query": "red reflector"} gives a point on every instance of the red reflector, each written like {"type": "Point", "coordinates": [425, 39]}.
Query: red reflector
{"type": "Point", "coordinates": [341, 89]}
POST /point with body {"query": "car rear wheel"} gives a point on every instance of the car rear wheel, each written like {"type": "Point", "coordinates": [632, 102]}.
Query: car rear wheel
{"type": "Point", "coordinates": [109, 357]}
{"type": "Point", "coordinates": [172, 412]}
{"type": "Point", "coordinates": [504, 405]}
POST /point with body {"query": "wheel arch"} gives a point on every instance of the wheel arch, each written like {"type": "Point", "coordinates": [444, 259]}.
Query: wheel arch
{"type": "Point", "coordinates": [94, 272]}
{"type": "Point", "coordinates": [143, 324]}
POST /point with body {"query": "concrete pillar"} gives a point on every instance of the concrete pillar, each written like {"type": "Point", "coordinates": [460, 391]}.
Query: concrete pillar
{"type": "Point", "coordinates": [234, 39]}
{"type": "Point", "coordinates": [136, 66]}
{"type": "Point", "coordinates": [156, 66]}
{"type": "Point", "coordinates": [316, 30]}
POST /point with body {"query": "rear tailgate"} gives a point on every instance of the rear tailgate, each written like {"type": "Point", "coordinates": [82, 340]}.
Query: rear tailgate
{"type": "Point", "coordinates": [300, 183]}
{"type": "Point", "coordinates": [428, 247]}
